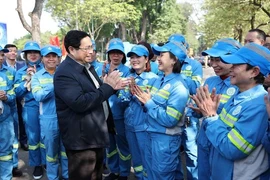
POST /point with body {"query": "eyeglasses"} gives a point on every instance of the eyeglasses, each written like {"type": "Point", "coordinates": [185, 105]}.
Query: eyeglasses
{"type": "Point", "coordinates": [86, 49]}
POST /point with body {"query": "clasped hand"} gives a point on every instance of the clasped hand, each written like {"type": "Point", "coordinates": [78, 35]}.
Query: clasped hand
{"type": "Point", "coordinates": [207, 104]}
{"type": "Point", "coordinates": [3, 95]}
{"type": "Point", "coordinates": [115, 81]}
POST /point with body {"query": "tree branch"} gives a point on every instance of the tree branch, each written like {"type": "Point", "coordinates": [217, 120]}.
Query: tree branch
{"type": "Point", "coordinates": [21, 16]}
{"type": "Point", "coordinates": [261, 7]}
{"type": "Point", "coordinates": [98, 29]}
{"type": "Point", "coordinates": [263, 24]}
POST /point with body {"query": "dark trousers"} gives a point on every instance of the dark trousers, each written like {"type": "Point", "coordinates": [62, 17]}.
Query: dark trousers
{"type": "Point", "coordinates": [85, 164]}
{"type": "Point", "coordinates": [22, 133]}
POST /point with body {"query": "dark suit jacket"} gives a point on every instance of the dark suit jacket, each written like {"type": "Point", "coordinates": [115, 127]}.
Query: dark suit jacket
{"type": "Point", "coordinates": [19, 64]}
{"type": "Point", "coordinates": [79, 107]}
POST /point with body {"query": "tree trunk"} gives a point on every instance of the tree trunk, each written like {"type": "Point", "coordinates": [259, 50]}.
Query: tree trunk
{"type": "Point", "coordinates": [144, 25]}
{"type": "Point", "coordinates": [123, 31]}
{"type": "Point", "coordinates": [35, 15]}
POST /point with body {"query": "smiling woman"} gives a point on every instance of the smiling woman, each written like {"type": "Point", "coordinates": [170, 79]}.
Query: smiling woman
{"type": "Point", "coordinates": [236, 134]}
{"type": "Point", "coordinates": [164, 104]}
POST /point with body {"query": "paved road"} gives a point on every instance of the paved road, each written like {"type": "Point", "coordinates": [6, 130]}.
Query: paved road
{"type": "Point", "coordinates": [23, 155]}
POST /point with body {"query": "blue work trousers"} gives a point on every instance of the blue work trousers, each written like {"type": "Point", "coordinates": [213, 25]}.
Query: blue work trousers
{"type": "Point", "coordinates": [118, 154]}
{"type": "Point", "coordinates": [162, 156]}
{"type": "Point", "coordinates": [136, 142]}
{"type": "Point", "coordinates": [37, 155]}
{"type": "Point", "coordinates": [55, 151]}
{"type": "Point", "coordinates": [6, 144]}
{"type": "Point", "coordinates": [15, 142]}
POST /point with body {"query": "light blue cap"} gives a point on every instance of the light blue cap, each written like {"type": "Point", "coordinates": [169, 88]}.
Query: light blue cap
{"type": "Point", "coordinates": [94, 45]}
{"type": "Point", "coordinates": [176, 48]}
{"type": "Point", "coordinates": [178, 38]}
{"type": "Point", "coordinates": [51, 49]}
{"type": "Point", "coordinates": [3, 49]}
{"type": "Point", "coordinates": [139, 50]}
{"type": "Point", "coordinates": [31, 46]}
{"type": "Point", "coordinates": [116, 44]}
{"type": "Point", "coordinates": [222, 47]}
{"type": "Point", "coordinates": [252, 54]}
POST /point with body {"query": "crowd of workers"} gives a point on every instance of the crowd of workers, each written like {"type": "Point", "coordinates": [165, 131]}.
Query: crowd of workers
{"type": "Point", "coordinates": [94, 120]}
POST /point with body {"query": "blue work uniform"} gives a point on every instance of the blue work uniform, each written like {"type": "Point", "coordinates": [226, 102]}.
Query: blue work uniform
{"type": "Point", "coordinates": [236, 134]}
{"type": "Point", "coordinates": [43, 92]}
{"type": "Point", "coordinates": [10, 73]}
{"type": "Point", "coordinates": [193, 71]}
{"type": "Point", "coordinates": [6, 129]}
{"type": "Point", "coordinates": [98, 67]}
{"type": "Point", "coordinates": [30, 117]}
{"type": "Point", "coordinates": [163, 126]}
{"type": "Point", "coordinates": [118, 154]}
{"type": "Point", "coordinates": [135, 117]}
{"type": "Point", "coordinates": [226, 90]}
{"type": "Point", "coordinates": [154, 67]}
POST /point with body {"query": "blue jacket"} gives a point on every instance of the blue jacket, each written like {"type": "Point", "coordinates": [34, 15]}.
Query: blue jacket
{"type": "Point", "coordinates": [98, 67]}
{"type": "Point", "coordinates": [6, 86]}
{"type": "Point", "coordinates": [135, 114]}
{"type": "Point", "coordinates": [193, 70]}
{"type": "Point", "coordinates": [10, 73]}
{"type": "Point", "coordinates": [18, 65]}
{"type": "Point", "coordinates": [236, 136]}
{"type": "Point", "coordinates": [43, 92]}
{"type": "Point", "coordinates": [116, 104]}
{"type": "Point", "coordinates": [226, 90]}
{"type": "Point", "coordinates": [154, 67]}
{"type": "Point", "coordinates": [20, 90]}
{"type": "Point", "coordinates": [166, 107]}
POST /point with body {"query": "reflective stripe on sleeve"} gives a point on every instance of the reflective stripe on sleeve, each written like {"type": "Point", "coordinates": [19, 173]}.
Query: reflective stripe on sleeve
{"type": "Point", "coordinates": [241, 144]}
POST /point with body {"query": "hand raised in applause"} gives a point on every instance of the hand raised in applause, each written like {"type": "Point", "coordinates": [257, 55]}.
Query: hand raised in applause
{"type": "Point", "coordinates": [142, 96]}
{"type": "Point", "coordinates": [195, 108]}
{"type": "Point", "coordinates": [115, 81]}
{"type": "Point", "coordinates": [3, 95]}
{"type": "Point", "coordinates": [206, 103]}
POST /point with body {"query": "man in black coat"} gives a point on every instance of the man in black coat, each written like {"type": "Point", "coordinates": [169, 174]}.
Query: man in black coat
{"type": "Point", "coordinates": [82, 107]}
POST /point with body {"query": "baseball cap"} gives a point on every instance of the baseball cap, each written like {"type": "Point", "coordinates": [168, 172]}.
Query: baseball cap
{"type": "Point", "coordinates": [116, 44]}
{"type": "Point", "coordinates": [253, 54]}
{"type": "Point", "coordinates": [50, 49]}
{"type": "Point", "coordinates": [3, 49]}
{"type": "Point", "coordinates": [178, 38]}
{"type": "Point", "coordinates": [222, 47]}
{"type": "Point", "coordinates": [176, 48]}
{"type": "Point", "coordinates": [139, 50]}
{"type": "Point", "coordinates": [31, 46]}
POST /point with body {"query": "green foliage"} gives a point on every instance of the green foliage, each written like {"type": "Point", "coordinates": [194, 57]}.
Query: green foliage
{"type": "Point", "coordinates": [90, 15]}
{"type": "Point", "coordinates": [170, 21]}
{"type": "Point", "coordinates": [45, 39]}
{"type": "Point", "coordinates": [231, 18]}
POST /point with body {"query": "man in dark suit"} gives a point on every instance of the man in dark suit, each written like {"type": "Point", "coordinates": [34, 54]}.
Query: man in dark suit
{"type": "Point", "coordinates": [82, 107]}
{"type": "Point", "coordinates": [11, 62]}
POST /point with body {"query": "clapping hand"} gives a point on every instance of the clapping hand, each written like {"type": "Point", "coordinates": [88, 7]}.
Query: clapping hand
{"type": "Point", "coordinates": [3, 95]}
{"type": "Point", "coordinates": [207, 104]}
{"type": "Point", "coordinates": [142, 96]}
{"type": "Point", "coordinates": [196, 109]}
{"type": "Point", "coordinates": [115, 81]}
